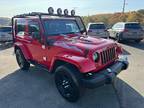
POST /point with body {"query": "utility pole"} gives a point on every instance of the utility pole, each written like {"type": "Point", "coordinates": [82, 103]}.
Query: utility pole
{"type": "Point", "coordinates": [123, 11]}
{"type": "Point", "coordinates": [124, 4]}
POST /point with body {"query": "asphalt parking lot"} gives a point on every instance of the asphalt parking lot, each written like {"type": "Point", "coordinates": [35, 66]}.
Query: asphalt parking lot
{"type": "Point", "coordinates": [36, 89]}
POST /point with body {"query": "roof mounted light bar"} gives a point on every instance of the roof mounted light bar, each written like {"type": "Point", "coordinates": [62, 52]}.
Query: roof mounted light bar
{"type": "Point", "coordinates": [50, 12]}
{"type": "Point", "coordinates": [59, 11]}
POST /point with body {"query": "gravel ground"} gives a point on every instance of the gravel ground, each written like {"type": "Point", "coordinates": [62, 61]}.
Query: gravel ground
{"type": "Point", "coordinates": [36, 89]}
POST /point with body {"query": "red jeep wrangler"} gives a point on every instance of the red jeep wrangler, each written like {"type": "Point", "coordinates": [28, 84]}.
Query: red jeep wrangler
{"type": "Point", "coordinates": [60, 44]}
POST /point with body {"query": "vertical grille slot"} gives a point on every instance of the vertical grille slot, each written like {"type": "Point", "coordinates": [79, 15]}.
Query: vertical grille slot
{"type": "Point", "coordinates": [107, 55]}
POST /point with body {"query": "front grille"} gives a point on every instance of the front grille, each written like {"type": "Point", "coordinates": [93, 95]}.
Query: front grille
{"type": "Point", "coordinates": [107, 55]}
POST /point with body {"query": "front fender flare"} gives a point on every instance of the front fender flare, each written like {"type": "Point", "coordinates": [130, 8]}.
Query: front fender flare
{"type": "Point", "coordinates": [83, 64]}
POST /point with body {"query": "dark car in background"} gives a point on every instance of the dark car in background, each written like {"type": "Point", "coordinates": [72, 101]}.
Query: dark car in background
{"type": "Point", "coordinates": [97, 30]}
{"type": "Point", "coordinates": [127, 31]}
{"type": "Point", "coordinates": [6, 34]}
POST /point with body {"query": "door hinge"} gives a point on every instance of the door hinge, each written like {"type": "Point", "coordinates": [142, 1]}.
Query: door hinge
{"type": "Point", "coordinates": [45, 58]}
{"type": "Point", "coordinates": [43, 47]}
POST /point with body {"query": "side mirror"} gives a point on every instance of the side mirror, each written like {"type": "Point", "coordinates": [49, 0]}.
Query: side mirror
{"type": "Point", "coordinates": [36, 35]}
{"type": "Point", "coordinates": [50, 42]}
{"type": "Point", "coordinates": [84, 31]}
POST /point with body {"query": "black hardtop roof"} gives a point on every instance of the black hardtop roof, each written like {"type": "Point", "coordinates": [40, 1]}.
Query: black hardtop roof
{"type": "Point", "coordinates": [39, 14]}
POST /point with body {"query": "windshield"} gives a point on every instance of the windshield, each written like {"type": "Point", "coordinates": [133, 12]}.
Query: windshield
{"type": "Point", "coordinates": [60, 26]}
{"type": "Point", "coordinates": [5, 29]}
{"type": "Point", "coordinates": [133, 26]}
{"type": "Point", "coordinates": [97, 26]}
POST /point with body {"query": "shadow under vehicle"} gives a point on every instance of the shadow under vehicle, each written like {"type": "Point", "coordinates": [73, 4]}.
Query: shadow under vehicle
{"type": "Point", "coordinates": [35, 89]}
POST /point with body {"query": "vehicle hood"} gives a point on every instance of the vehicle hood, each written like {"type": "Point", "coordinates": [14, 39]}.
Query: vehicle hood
{"type": "Point", "coordinates": [81, 43]}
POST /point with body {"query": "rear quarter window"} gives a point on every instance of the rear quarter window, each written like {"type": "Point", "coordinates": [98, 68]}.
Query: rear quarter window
{"type": "Point", "coordinates": [118, 26]}
{"type": "Point", "coordinates": [20, 27]}
{"type": "Point", "coordinates": [133, 26]}
{"type": "Point", "coordinates": [97, 26]}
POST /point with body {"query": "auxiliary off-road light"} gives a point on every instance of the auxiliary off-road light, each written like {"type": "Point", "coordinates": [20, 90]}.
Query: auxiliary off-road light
{"type": "Point", "coordinates": [50, 10]}
{"type": "Point", "coordinates": [73, 13]}
{"type": "Point", "coordinates": [95, 56]}
{"type": "Point", "coordinates": [66, 12]}
{"type": "Point", "coordinates": [59, 11]}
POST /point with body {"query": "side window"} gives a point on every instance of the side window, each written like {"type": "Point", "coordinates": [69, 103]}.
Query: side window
{"type": "Point", "coordinates": [118, 26]}
{"type": "Point", "coordinates": [121, 26]}
{"type": "Point", "coordinates": [33, 27]}
{"type": "Point", "coordinates": [20, 27]}
{"type": "Point", "coordinates": [115, 26]}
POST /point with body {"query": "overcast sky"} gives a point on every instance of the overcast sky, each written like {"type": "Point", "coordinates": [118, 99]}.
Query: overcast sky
{"type": "Point", "coordinates": [9, 8]}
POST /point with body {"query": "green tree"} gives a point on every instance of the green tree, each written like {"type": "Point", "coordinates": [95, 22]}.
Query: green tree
{"type": "Point", "coordinates": [141, 11]}
{"type": "Point", "coordinates": [111, 19]}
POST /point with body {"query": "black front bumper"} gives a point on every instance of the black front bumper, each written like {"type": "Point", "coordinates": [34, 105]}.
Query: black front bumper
{"type": "Point", "coordinates": [105, 76]}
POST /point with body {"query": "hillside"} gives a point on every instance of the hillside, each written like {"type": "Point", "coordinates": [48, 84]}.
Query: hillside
{"type": "Point", "coordinates": [4, 21]}
{"type": "Point", "coordinates": [111, 19]}
{"type": "Point", "coordinates": [108, 19]}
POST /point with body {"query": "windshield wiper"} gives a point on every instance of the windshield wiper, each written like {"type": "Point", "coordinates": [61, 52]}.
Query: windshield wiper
{"type": "Point", "coordinates": [71, 33]}
{"type": "Point", "coordinates": [64, 34]}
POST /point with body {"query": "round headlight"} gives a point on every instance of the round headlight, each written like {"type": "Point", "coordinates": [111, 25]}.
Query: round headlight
{"type": "Point", "coordinates": [50, 10]}
{"type": "Point", "coordinates": [95, 56]}
{"type": "Point", "coordinates": [59, 11]}
{"type": "Point", "coordinates": [73, 12]}
{"type": "Point", "coordinates": [66, 12]}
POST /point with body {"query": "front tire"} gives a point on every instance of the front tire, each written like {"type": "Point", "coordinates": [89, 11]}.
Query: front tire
{"type": "Point", "coordinates": [67, 83]}
{"type": "Point", "coordinates": [22, 62]}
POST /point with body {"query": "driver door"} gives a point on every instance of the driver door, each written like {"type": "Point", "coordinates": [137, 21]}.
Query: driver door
{"type": "Point", "coordinates": [35, 45]}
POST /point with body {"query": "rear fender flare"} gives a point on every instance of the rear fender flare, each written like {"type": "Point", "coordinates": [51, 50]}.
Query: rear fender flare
{"type": "Point", "coordinates": [24, 50]}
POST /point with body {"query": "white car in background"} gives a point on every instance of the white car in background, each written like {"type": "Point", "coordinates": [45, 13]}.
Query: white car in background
{"type": "Point", "coordinates": [98, 30]}
{"type": "Point", "coordinates": [122, 31]}
{"type": "Point", "coordinates": [6, 34]}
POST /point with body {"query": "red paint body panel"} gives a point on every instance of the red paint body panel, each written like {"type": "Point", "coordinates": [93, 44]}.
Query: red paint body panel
{"type": "Point", "coordinates": [76, 49]}
{"type": "Point", "coordinates": [83, 64]}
